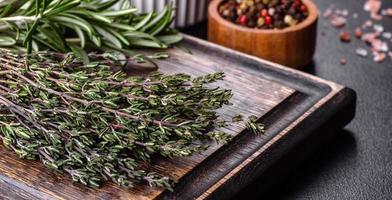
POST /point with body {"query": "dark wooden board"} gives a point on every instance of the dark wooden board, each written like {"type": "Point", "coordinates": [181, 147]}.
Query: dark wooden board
{"type": "Point", "coordinates": [291, 104]}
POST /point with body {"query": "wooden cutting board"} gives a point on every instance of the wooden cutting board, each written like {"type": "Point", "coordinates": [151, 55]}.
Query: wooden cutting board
{"type": "Point", "coordinates": [290, 103]}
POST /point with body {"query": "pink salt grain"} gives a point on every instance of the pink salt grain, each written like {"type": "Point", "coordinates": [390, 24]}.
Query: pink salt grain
{"type": "Point", "coordinates": [338, 21]}
{"type": "Point", "coordinates": [367, 24]}
{"type": "Point", "coordinates": [328, 12]}
{"type": "Point", "coordinates": [378, 45]}
{"type": "Point", "coordinates": [369, 37]}
{"type": "Point", "coordinates": [379, 57]}
{"type": "Point", "coordinates": [387, 12]}
{"type": "Point", "coordinates": [374, 7]}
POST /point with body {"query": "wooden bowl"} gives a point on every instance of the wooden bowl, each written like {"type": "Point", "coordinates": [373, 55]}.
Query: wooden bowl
{"type": "Point", "coordinates": [293, 46]}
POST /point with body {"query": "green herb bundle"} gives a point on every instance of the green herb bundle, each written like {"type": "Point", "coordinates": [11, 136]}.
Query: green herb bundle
{"type": "Point", "coordinates": [98, 124]}
{"type": "Point", "coordinates": [75, 25]}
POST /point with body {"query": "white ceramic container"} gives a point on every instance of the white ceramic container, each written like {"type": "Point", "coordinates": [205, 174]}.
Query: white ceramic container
{"type": "Point", "coordinates": [188, 12]}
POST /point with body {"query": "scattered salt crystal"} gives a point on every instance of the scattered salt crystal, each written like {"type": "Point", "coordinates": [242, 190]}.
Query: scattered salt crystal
{"type": "Point", "coordinates": [338, 22]}
{"type": "Point", "coordinates": [387, 12]}
{"type": "Point", "coordinates": [376, 16]}
{"type": "Point", "coordinates": [367, 24]}
{"type": "Point", "coordinates": [379, 57]}
{"type": "Point", "coordinates": [384, 47]}
{"type": "Point", "coordinates": [378, 28]}
{"type": "Point", "coordinates": [379, 45]}
{"type": "Point", "coordinates": [387, 35]}
{"type": "Point", "coordinates": [361, 52]}
{"type": "Point", "coordinates": [369, 37]}
{"type": "Point", "coordinates": [328, 12]}
{"type": "Point", "coordinates": [377, 39]}
{"type": "Point", "coordinates": [374, 7]}
{"type": "Point", "coordinates": [345, 12]}
{"type": "Point", "coordinates": [366, 6]}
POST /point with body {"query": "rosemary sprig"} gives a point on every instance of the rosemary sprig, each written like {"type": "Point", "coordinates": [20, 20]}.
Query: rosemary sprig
{"type": "Point", "coordinates": [75, 25]}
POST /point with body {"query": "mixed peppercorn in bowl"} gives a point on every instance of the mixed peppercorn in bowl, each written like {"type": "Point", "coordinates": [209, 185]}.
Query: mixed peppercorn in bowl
{"type": "Point", "coordinates": [281, 31]}
{"type": "Point", "coordinates": [264, 14]}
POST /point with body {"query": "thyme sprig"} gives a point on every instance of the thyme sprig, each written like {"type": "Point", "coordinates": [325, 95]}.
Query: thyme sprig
{"type": "Point", "coordinates": [75, 25]}
{"type": "Point", "coordinates": [98, 124]}
{"type": "Point", "coordinates": [254, 126]}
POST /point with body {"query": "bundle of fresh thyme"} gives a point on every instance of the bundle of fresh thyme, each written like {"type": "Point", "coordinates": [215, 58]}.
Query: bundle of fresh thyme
{"type": "Point", "coordinates": [74, 25]}
{"type": "Point", "coordinates": [98, 124]}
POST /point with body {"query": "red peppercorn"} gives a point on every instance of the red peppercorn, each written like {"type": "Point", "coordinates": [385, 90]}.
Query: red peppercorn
{"type": "Point", "coordinates": [268, 20]}
{"type": "Point", "coordinates": [243, 19]}
{"type": "Point", "coordinates": [343, 61]}
{"type": "Point", "coordinates": [304, 8]}
{"type": "Point", "coordinates": [345, 36]}
{"type": "Point", "coordinates": [264, 13]}
{"type": "Point", "coordinates": [297, 3]}
{"type": "Point", "coordinates": [358, 32]}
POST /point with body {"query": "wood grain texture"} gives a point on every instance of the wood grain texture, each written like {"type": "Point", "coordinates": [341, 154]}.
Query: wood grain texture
{"type": "Point", "coordinates": [293, 46]}
{"type": "Point", "coordinates": [282, 98]}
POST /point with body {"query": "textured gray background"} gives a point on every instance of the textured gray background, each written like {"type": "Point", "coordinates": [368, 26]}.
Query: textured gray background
{"type": "Point", "coordinates": [357, 163]}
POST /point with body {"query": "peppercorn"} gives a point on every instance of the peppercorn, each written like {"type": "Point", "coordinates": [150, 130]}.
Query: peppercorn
{"type": "Point", "coordinates": [288, 19]}
{"type": "Point", "coordinates": [358, 33]}
{"type": "Point", "coordinates": [297, 3]}
{"type": "Point", "coordinates": [268, 20]}
{"type": "Point", "coordinates": [343, 61]}
{"type": "Point", "coordinates": [243, 19]}
{"type": "Point", "coordinates": [304, 8]}
{"type": "Point", "coordinates": [251, 23]}
{"type": "Point", "coordinates": [345, 36]}
{"type": "Point", "coordinates": [264, 13]}
{"type": "Point", "coordinates": [260, 22]}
